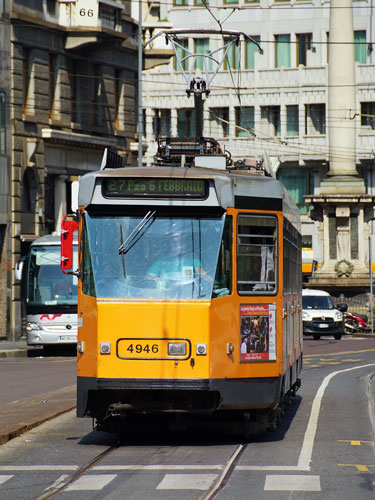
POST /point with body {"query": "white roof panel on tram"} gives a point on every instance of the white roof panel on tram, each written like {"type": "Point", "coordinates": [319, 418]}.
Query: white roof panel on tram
{"type": "Point", "coordinates": [228, 185]}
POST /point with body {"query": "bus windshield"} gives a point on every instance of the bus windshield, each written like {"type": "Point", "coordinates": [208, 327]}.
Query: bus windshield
{"type": "Point", "coordinates": [46, 284]}
{"type": "Point", "coordinates": [150, 256]}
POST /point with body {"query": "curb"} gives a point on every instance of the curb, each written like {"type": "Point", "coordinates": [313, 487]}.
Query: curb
{"type": "Point", "coordinates": [20, 417]}
{"type": "Point", "coordinates": [13, 353]}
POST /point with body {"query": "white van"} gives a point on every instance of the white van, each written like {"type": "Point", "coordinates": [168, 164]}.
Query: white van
{"type": "Point", "coordinates": [320, 315]}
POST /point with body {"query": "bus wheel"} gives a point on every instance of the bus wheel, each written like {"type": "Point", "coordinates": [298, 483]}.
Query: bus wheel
{"type": "Point", "coordinates": [316, 336]}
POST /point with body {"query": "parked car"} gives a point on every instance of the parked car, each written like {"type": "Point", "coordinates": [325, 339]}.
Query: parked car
{"type": "Point", "coordinates": [320, 315]}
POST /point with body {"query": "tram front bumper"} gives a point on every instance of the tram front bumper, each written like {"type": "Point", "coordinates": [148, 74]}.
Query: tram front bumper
{"type": "Point", "coordinates": [95, 396]}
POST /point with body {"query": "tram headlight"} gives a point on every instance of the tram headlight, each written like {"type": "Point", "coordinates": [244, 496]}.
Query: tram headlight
{"type": "Point", "coordinates": [32, 326]}
{"type": "Point", "coordinates": [105, 348]}
{"type": "Point", "coordinates": [201, 349]}
{"type": "Point", "coordinates": [176, 348]}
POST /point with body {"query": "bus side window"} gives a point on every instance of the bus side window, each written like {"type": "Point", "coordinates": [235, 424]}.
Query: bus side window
{"type": "Point", "coordinates": [223, 275]}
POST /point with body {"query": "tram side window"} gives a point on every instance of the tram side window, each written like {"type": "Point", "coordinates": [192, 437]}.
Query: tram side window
{"type": "Point", "coordinates": [256, 254]}
{"type": "Point", "coordinates": [223, 275]}
{"type": "Point", "coordinates": [88, 285]}
{"type": "Point", "coordinates": [292, 258]}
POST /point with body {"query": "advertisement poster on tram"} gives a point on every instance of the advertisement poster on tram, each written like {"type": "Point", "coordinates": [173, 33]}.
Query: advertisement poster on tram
{"type": "Point", "coordinates": [258, 332]}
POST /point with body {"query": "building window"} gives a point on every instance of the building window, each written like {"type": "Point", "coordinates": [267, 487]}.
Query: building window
{"type": "Point", "coordinates": [315, 119]}
{"type": "Point", "coordinates": [119, 100]}
{"type": "Point", "coordinates": [250, 50]}
{"type": "Point", "coordinates": [219, 122]}
{"type": "Point", "coordinates": [303, 45]}
{"type": "Point", "coordinates": [179, 3]}
{"type": "Point", "coordinates": [298, 182]}
{"type": "Point", "coordinates": [27, 83]}
{"type": "Point", "coordinates": [52, 83]}
{"type": "Point", "coordinates": [73, 80]}
{"type": "Point", "coordinates": [244, 120]}
{"type": "Point", "coordinates": [360, 47]}
{"type": "Point", "coordinates": [162, 122]}
{"type": "Point", "coordinates": [292, 125]}
{"type": "Point", "coordinates": [2, 124]}
{"type": "Point", "coordinates": [201, 2]}
{"type": "Point", "coordinates": [29, 192]}
{"type": "Point", "coordinates": [181, 51]}
{"type": "Point", "coordinates": [97, 111]}
{"type": "Point", "coordinates": [282, 51]}
{"type": "Point", "coordinates": [230, 1]}
{"type": "Point", "coordinates": [185, 122]}
{"type": "Point", "coordinates": [232, 60]}
{"type": "Point", "coordinates": [270, 120]}
{"type": "Point", "coordinates": [202, 46]}
{"type": "Point", "coordinates": [107, 16]}
{"type": "Point", "coordinates": [368, 114]}
{"type": "Point", "coordinates": [353, 222]}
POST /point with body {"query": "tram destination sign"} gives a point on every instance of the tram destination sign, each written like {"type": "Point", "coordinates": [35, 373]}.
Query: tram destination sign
{"type": "Point", "coordinates": [152, 187]}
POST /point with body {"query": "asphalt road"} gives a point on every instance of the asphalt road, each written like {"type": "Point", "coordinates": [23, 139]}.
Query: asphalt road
{"type": "Point", "coordinates": [324, 447]}
{"type": "Point", "coordinates": [27, 377]}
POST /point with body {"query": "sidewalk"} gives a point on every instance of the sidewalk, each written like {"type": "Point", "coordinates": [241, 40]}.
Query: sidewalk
{"type": "Point", "coordinates": [10, 349]}
{"type": "Point", "coordinates": [22, 415]}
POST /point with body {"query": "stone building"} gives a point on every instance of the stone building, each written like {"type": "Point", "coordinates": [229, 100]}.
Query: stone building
{"type": "Point", "coordinates": [274, 102]}
{"type": "Point", "coordinates": [73, 86]}
{"type": "Point", "coordinates": [4, 162]}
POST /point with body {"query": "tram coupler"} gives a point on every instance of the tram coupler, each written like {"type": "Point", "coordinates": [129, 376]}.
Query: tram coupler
{"type": "Point", "coordinates": [119, 409]}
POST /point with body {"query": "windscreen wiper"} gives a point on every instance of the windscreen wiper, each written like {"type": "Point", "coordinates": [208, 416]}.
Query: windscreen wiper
{"type": "Point", "coordinates": [131, 239]}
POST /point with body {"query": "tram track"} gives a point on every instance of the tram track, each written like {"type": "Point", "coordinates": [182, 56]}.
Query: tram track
{"type": "Point", "coordinates": [211, 494]}
{"type": "Point", "coordinates": [226, 474]}
{"type": "Point", "coordinates": [55, 490]}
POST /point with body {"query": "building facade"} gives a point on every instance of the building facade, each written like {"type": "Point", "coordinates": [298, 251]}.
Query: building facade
{"type": "Point", "coordinates": [4, 163]}
{"type": "Point", "coordinates": [73, 93]}
{"type": "Point", "coordinates": [273, 102]}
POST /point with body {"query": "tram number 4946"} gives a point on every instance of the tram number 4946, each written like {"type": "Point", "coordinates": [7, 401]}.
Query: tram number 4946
{"type": "Point", "coordinates": [139, 348]}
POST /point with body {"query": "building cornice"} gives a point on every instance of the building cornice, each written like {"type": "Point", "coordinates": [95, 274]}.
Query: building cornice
{"type": "Point", "coordinates": [53, 136]}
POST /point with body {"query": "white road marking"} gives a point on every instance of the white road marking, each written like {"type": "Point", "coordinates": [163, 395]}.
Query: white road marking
{"type": "Point", "coordinates": [157, 467]}
{"type": "Point", "coordinates": [308, 441]}
{"type": "Point", "coordinates": [5, 478]}
{"type": "Point", "coordinates": [303, 464]}
{"type": "Point", "coordinates": [60, 481]}
{"type": "Point", "coordinates": [292, 483]}
{"type": "Point", "coordinates": [91, 482]}
{"type": "Point", "coordinates": [4, 468]}
{"type": "Point", "coordinates": [310, 433]}
{"type": "Point", "coordinates": [186, 482]}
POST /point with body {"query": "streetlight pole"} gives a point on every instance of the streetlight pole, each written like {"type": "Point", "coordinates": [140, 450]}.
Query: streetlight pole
{"type": "Point", "coordinates": [140, 66]}
{"type": "Point", "coordinates": [371, 246]}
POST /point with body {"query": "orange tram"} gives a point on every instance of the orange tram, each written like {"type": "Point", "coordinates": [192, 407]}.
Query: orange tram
{"type": "Point", "coordinates": [189, 297]}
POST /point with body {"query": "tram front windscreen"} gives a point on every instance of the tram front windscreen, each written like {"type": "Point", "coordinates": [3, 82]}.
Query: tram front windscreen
{"type": "Point", "coordinates": [151, 256]}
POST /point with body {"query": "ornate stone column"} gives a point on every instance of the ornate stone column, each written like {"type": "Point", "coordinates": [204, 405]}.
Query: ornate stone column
{"type": "Point", "coordinates": [340, 203]}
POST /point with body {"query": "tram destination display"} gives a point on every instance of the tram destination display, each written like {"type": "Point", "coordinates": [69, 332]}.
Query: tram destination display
{"type": "Point", "coordinates": [143, 187]}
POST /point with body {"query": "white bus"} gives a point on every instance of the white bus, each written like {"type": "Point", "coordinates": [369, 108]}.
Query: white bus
{"type": "Point", "coordinates": [49, 296]}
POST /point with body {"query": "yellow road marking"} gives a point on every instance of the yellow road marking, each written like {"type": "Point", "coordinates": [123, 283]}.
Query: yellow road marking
{"type": "Point", "coordinates": [354, 442]}
{"type": "Point", "coordinates": [362, 468]}
{"type": "Point", "coordinates": [359, 467]}
{"type": "Point", "coordinates": [338, 353]}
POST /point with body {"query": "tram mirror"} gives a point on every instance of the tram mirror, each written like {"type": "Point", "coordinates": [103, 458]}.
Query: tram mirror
{"type": "Point", "coordinates": [68, 226]}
